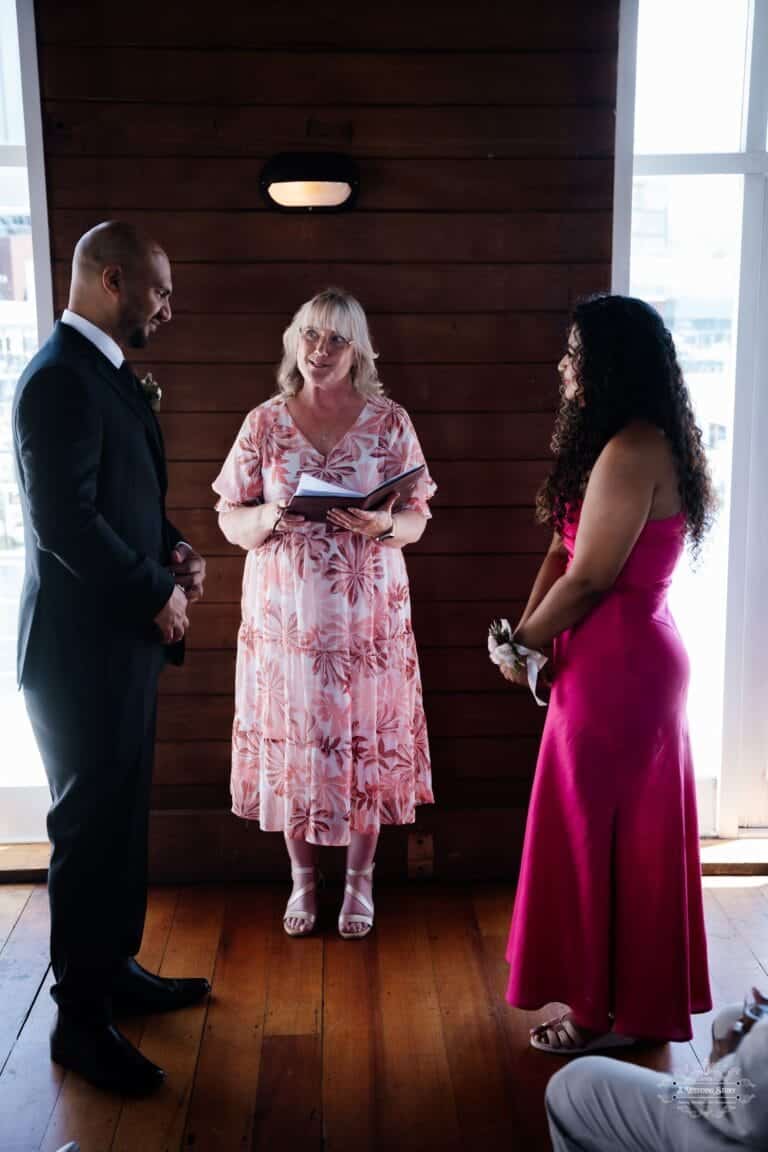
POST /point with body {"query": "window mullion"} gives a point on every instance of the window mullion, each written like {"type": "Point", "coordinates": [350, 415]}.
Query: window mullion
{"type": "Point", "coordinates": [624, 146]}
{"type": "Point", "coordinates": [702, 164]}
{"type": "Point", "coordinates": [746, 669]}
{"type": "Point", "coordinates": [756, 91]}
{"type": "Point", "coordinates": [38, 200]}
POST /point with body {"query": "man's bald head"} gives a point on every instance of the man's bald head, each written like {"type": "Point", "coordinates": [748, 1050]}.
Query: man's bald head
{"type": "Point", "coordinates": [121, 281]}
{"type": "Point", "coordinates": [113, 242]}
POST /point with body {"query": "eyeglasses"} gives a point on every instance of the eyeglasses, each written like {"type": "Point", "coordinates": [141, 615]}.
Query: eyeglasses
{"type": "Point", "coordinates": [336, 342]}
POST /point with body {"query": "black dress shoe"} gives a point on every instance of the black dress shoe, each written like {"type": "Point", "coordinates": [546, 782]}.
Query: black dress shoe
{"type": "Point", "coordinates": [137, 992]}
{"type": "Point", "coordinates": [103, 1056]}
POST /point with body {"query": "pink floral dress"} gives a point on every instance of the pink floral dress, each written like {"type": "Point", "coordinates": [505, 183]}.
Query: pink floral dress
{"type": "Point", "coordinates": [329, 734]}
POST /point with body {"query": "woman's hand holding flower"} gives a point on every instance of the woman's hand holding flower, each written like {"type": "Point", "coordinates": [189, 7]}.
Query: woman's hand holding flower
{"type": "Point", "coordinates": [516, 673]}
{"type": "Point", "coordinates": [512, 659]}
{"type": "Point", "coordinates": [502, 652]}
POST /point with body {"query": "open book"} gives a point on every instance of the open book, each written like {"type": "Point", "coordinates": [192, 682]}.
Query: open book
{"type": "Point", "coordinates": [313, 498]}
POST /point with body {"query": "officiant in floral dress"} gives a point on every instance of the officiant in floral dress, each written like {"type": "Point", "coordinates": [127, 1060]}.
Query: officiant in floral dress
{"type": "Point", "coordinates": [329, 736]}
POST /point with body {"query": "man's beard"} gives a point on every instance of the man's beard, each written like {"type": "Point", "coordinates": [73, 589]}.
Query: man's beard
{"type": "Point", "coordinates": [138, 337]}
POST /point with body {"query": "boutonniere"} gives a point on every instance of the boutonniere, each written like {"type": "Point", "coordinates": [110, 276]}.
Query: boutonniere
{"type": "Point", "coordinates": [152, 391]}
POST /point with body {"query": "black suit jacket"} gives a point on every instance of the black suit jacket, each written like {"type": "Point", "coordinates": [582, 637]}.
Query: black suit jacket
{"type": "Point", "coordinates": [91, 469]}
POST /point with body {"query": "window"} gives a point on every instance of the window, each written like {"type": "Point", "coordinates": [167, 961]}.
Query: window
{"type": "Point", "coordinates": [26, 313]}
{"type": "Point", "coordinates": [691, 161]}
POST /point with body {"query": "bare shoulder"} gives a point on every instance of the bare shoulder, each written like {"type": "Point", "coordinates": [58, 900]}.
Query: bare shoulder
{"type": "Point", "coordinates": [639, 445]}
{"type": "Point", "coordinates": [640, 458]}
{"type": "Point", "coordinates": [640, 435]}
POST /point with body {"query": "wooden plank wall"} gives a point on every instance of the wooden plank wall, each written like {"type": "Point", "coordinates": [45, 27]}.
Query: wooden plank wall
{"type": "Point", "coordinates": [484, 135]}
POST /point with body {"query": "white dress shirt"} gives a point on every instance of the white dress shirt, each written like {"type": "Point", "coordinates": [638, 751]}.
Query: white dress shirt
{"type": "Point", "coordinates": [104, 343]}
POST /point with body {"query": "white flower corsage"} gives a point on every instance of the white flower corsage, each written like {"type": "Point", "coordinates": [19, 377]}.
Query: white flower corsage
{"type": "Point", "coordinates": [502, 649]}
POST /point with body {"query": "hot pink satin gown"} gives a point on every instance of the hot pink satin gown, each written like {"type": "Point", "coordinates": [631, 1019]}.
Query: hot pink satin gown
{"type": "Point", "coordinates": [608, 912]}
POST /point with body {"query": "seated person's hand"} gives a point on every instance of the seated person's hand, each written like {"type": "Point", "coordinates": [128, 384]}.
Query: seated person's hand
{"type": "Point", "coordinates": [754, 1010]}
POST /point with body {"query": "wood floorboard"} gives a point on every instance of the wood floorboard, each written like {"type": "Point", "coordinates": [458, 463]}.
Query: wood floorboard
{"type": "Point", "coordinates": [493, 909]}
{"type": "Point", "coordinates": [474, 1043]}
{"type": "Point", "coordinates": [173, 1040]}
{"type": "Point", "coordinates": [402, 1041]}
{"type": "Point", "coordinates": [295, 997]}
{"type": "Point", "coordinates": [81, 1108]}
{"type": "Point", "coordinates": [416, 1107]}
{"type": "Point", "coordinates": [23, 964]}
{"type": "Point", "coordinates": [13, 901]}
{"type": "Point", "coordinates": [526, 1070]}
{"type": "Point", "coordinates": [289, 1100]}
{"type": "Point", "coordinates": [30, 1083]}
{"type": "Point", "coordinates": [745, 903]}
{"type": "Point", "coordinates": [222, 1109]}
{"type": "Point", "coordinates": [350, 1070]}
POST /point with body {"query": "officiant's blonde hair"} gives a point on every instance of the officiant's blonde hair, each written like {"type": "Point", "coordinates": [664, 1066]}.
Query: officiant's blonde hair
{"type": "Point", "coordinates": [332, 308]}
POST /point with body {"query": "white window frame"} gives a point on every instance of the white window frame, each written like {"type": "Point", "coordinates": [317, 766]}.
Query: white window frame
{"type": "Point", "coordinates": [23, 809]}
{"type": "Point", "coordinates": [740, 804]}
{"type": "Point", "coordinates": [34, 160]}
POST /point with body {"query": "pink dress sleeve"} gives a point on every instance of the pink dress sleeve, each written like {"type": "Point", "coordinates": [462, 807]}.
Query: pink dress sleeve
{"type": "Point", "coordinates": [240, 480]}
{"type": "Point", "coordinates": [410, 450]}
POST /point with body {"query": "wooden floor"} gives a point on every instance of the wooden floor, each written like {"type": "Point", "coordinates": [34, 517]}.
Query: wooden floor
{"type": "Point", "coordinates": [400, 1042]}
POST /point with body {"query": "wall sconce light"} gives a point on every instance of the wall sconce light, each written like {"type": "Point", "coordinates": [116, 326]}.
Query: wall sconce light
{"type": "Point", "coordinates": [310, 182]}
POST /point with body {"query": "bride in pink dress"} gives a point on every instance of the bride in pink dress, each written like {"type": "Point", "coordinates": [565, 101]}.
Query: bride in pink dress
{"type": "Point", "coordinates": [608, 911]}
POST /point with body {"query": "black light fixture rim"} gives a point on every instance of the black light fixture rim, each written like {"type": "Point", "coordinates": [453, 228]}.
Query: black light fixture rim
{"type": "Point", "coordinates": [294, 166]}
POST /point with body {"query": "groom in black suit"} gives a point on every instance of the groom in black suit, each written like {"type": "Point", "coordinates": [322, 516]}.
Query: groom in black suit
{"type": "Point", "coordinates": [106, 592]}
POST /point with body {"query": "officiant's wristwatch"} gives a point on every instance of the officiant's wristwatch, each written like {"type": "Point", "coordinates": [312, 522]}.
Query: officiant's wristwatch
{"type": "Point", "coordinates": [389, 534]}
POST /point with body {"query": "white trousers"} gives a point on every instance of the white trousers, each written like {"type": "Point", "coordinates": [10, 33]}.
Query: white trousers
{"type": "Point", "coordinates": [596, 1104]}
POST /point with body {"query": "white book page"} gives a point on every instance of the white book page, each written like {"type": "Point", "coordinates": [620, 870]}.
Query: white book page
{"type": "Point", "coordinates": [312, 486]}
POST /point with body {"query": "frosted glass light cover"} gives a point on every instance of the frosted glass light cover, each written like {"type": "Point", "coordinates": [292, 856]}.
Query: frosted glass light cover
{"type": "Point", "coordinates": [310, 193]}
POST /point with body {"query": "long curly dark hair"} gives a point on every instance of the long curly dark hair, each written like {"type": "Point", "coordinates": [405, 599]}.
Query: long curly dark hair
{"type": "Point", "coordinates": [626, 368]}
